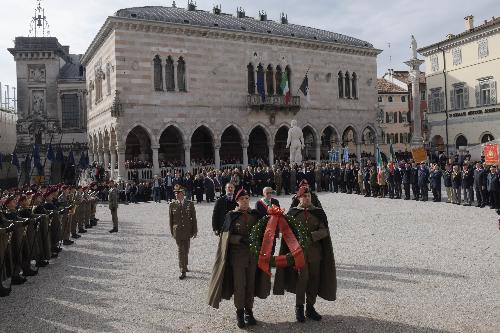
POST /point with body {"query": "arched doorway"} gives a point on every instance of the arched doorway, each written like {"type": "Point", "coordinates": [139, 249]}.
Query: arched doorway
{"type": "Point", "coordinates": [257, 146]}
{"type": "Point", "coordinates": [171, 152]}
{"type": "Point", "coordinates": [138, 145]}
{"type": "Point", "coordinates": [231, 151]}
{"type": "Point", "coordinates": [329, 140]}
{"type": "Point", "coordinates": [349, 139]}
{"type": "Point", "coordinates": [461, 141]}
{"type": "Point", "coordinates": [368, 140]}
{"type": "Point", "coordinates": [280, 151]}
{"type": "Point", "coordinates": [309, 143]}
{"type": "Point", "coordinates": [487, 138]}
{"type": "Point", "coordinates": [202, 147]}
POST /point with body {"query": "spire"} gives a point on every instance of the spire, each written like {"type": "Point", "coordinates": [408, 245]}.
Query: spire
{"type": "Point", "coordinates": [39, 26]}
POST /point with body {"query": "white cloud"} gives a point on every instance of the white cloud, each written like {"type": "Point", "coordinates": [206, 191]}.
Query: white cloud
{"type": "Point", "coordinates": [378, 22]}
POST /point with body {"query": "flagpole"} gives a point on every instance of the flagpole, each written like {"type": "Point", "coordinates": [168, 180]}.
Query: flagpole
{"type": "Point", "coordinates": [31, 169]}
{"type": "Point", "coordinates": [307, 72]}
{"type": "Point", "coordinates": [59, 147]}
{"type": "Point", "coordinates": [46, 153]}
{"type": "Point", "coordinates": [10, 164]}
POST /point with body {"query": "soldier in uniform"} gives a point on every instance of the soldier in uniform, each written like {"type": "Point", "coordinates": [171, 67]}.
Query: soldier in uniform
{"type": "Point", "coordinates": [235, 270]}
{"type": "Point", "coordinates": [6, 231]}
{"type": "Point", "coordinates": [44, 245]}
{"type": "Point", "coordinates": [314, 197]}
{"type": "Point", "coordinates": [278, 180]}
{"type": "Point", "coordinates": [113, 205]}
{"type": "Point", "coordinates": [183, 226]}
{"type": "Point", "coordinates": [318, 276]}
{"type": "Point", "coordinates": [447, 175]}
{"type": "Point", "coordinates": [63, 203]}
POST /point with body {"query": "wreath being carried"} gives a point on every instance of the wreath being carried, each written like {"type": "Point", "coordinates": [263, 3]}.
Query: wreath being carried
{"type": "Point", "coordinates": [295, 236]}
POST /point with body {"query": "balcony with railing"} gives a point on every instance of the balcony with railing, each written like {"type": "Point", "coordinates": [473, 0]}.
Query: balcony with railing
{"type": "Point", "coordinates": [273, 102]}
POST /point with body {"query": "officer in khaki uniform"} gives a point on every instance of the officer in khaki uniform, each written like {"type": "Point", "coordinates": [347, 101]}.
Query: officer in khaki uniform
{"type": "Point", "coordinates": [183, 226]}
{"type": "Point", "coordinates": [113, 205]}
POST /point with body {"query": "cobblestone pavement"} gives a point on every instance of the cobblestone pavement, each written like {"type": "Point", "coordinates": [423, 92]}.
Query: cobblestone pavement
{"type": "Point", "coordinates": [403, 266]}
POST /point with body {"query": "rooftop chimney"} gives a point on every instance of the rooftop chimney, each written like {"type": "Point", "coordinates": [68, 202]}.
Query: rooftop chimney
{"type": "Point", "coordinates": [263, 15]}
{"type": "Point", "coordinates": [240, 13]}
{"type": "Point", "coordinates": [191, 6]}
{"type": "Point", "coordinates": [469, 22]}
{"type": "Point", "coordinates": [217, 10]}
{"type": "Point", "coordinates": [284, 18]}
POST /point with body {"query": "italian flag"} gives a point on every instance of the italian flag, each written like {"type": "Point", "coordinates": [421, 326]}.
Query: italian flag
{"type": "Point", "coordinates": [284, 87]}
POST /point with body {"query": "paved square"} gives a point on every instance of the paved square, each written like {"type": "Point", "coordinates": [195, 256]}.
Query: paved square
{"type": "Point", "coordinates": [402, 266]}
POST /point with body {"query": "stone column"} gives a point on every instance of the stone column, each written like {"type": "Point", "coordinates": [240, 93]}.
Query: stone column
{"type": "Point", "coordinates": [122, 173]}
{"type": "Point", "coordinates": [271, 153]}
{"type": "Point", "coordinates": [113, 164]}
{"type": "Point", "coordinates": [244, 147]}
{"type": "Point", "coordinates": [176, 87]}
{"type": "Point", "coordinates": [156, 162]}
{"type": "Point", "coordinates": [358, 152]}
{"type": "Point", "coordinates": [217, 156]}
{"type": "Point", "coordinates": [106, 157]}
{"type": "Point", "coordinates": [318, 153]}
{"type": "Point", "coordinates": [187, 157]}
{"type": "Point", "coordinates": [91, 157]}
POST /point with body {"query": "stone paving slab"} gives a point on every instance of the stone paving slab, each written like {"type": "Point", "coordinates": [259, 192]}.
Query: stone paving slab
{"type": "Point", "coordinates": [403, 266]}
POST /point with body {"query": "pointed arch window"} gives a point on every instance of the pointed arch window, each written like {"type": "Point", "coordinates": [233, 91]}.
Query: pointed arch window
{"type": "Point", "coordinates": [288, 71]}
{"type": "Point", "coordinates": [158, 74]}
{"type": "Point", "coordinates": [270, 80]}
{"type": "Point", "coordinates": [181, 74]}
{"type": "Point", "coordinates": [354, 85]}
{"type": "Point", "coordinates": [251, 79]}
{"type": "Point", "coordinates": [347, 87]}
{"type": "Point", "coordinates": [279, 76]}
{"type": "Point", "coordinates": [341, 85]}
{"type": "Point", "coordinates": [169, 73]}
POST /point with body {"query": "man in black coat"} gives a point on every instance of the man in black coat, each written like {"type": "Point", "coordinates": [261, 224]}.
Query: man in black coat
{"type": "Point", "coordinates": [414, 181]}
{"type": "Point", "coordinates": [285, 175]}
{"type": "Point", "coordinates": [435, 179]}
{"type": "Point", "coordinates": [423, 181]}
{"type": "Point", "coordinates": [467, 184]}
{"type": "Point", "coordinates": [223, 205]}
{"type": "Point", "coordinates": [480, 185]}
{"type": "Point", "coordinates": [406, 179]}
{"type": "Point", "coordinates": [266, 201]}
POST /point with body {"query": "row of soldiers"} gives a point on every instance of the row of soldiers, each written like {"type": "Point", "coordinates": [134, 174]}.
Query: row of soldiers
{"type": "Point", "coordinates": [34, 224]}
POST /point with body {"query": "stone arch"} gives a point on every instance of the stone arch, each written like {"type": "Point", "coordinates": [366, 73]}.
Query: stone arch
{"type": "Point", "coordinates": [280, 137]}
{"type": "Point", "coordinates": [151, 135]}
{"type": "Point", "coordinates": [138, 145]}
{"type": "Point", "coordinates": [231, 149]}
{"type": "Point", "coordinates": [171, 144]}
{"type": "Point", "coordinates": [310, 142]}
{"type": "Point", "coordinates": [486, 137]}
{"type": "Point", "coordinates": [329, 139]}
{"type": "Point", "coordinates": [460, 141]}
{"type": "Point", "coordinates": [202, 145]}
{"type": "Point", "coordinates": [350, 138]}
{"type": "Point", "coordinates": [258, 144]}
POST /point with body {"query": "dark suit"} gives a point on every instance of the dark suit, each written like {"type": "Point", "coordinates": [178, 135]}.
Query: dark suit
{"type": "Point", "coordinates": [222, 206]}
{"type": "Point", "coordinates": [261, 207]}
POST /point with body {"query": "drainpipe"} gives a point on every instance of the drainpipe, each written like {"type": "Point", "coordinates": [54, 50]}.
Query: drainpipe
{"type": "Point", "coordinates": [445, 99]}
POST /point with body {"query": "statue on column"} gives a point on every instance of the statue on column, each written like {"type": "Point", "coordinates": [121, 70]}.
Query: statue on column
{"type": "Point", "coordinates": [413, 47]}
{"type": "Point", "coordinates": [295, 142]}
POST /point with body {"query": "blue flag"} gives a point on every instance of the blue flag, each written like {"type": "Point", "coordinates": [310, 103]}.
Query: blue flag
{"type": "Point", "coordinates": [15, 160]}
{"type": "Point", "coordinates": [260, 85]}
{"type": "Point", "coordinates": [346, 154]}
{"type": "Point", "coordinates": [59, 155]}
{"type": "Point", "coordinates": [50, 153]}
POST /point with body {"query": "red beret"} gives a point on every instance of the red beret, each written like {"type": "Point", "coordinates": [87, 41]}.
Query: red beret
{"type": "Point", "coordinates": [7, 200]}
{"type": "Point", "coordinates": [303, 182]}
{"type": "Point", "coordinates": [49, 192]}
{"type": "Point", "coordinates": [241, 193]}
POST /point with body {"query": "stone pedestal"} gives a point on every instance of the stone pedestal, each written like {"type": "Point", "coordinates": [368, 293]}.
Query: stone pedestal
{"type": "Point", "coordinates": [417, 139]}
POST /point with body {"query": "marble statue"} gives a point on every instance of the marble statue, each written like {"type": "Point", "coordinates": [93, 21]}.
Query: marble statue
{"type": "Point", "coordinates": [413, 47]}
{"type": "Point", "coordinates": [295, 142]}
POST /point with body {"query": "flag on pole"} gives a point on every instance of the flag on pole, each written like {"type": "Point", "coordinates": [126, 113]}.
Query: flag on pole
{"type": "Point", "coordinates": [346, 155]}
{"type": "Point", "coordinates": [304, 87]}
{"type": "Point", "coordinates": [260, 85]}
{"type": "Point", "coordinates": [59, 155]}
{"type": "Point", "coordinates": [15, 160]}
{"type": "Point", "coordinates": [285, 88]}
{"type": "Point", "coordinates": [36, 159]}
{"type": "Point", "coordinates": [378, 156]}
{"type": "Point", "coordinates": [50, 153]}
{"type": "Point", "coordinates": [83, 161]}
{"type": "Point", "coordinates": [391, 152]}
{"type": "Point", "coordinates": [71, 159]}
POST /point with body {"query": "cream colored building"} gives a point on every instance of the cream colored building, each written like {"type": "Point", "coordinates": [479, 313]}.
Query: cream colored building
{"type": "Point", "coordinates": [393, 103]}
{"type": "Point", "coordinates": [462, 73]}
{"type": "Point", "coordinates": [8, 119]}
{"type": "Point", "coordinates": [181, 85]}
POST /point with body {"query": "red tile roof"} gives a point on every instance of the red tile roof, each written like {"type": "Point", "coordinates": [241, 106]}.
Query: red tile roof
{"type": "Point", "coordinates": [384, 86]}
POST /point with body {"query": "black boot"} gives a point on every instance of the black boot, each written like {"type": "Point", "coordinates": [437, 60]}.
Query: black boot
{"type": "Point", "coordinates": [311, 313]}
{"type": "Point", "coordinates": [42, 263]}
{"type": "Point", "coordinates": [299, 313]}
{"type": "Point", "coordinates": [249, 318]}
{"type": "Point", "coordinates": [29, 272]}
{"type": "Point", "coordinates": [68, 242]}
{"type": "Point", "coordinates": [75, 236]}
{"type": "Point", "coordinates": [113, 230]}
{"type": "Point", "coordinates": [82, 231]}
{"type": "Point", "coordinates": [240, 318]}
{"type": "Point", "coordinates": [17, 280]}
{"type": "Point", "coordinates": [4, 291]}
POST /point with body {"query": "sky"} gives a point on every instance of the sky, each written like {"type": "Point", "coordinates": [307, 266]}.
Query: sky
{"type": "Point", "coordinates": [386, 24]}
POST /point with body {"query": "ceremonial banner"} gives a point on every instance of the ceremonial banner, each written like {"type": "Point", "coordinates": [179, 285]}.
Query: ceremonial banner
{"type": "Point", "coordinates": [491, 154]}
{"type": "Point", "coordinates": [419, 154]}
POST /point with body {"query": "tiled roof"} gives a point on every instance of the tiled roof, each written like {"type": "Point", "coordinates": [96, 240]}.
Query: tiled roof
{"type": "Point", "coordinates": [230, 22]}
{"type": "Point", "coordinates": [485, 25]}
{"type": "Point", "coordinates": [384, 86]}
{"type": "Point", "coordinates": [404, 76]}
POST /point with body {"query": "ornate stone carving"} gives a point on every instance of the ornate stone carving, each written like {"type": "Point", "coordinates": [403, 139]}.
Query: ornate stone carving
{"type": "Point", "coordinates": [38, 102]}
{"type": "Point", "coordinates": [36, 73]}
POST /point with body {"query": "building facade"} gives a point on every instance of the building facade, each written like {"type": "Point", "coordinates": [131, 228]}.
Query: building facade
{"type": "Point", "coordinates": [395, 118]}
{"type": "Point", "coordinates": [51, 101]}
{"type": "Point", "coordinates": [191, 87]}
{"type": "Point", "coordinates": [462, 73]}
{"type": "Point", "coordinates": [8, 119]}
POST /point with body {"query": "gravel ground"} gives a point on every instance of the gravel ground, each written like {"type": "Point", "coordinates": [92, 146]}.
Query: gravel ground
{"type": "Point", "coordinates": [402, 266]}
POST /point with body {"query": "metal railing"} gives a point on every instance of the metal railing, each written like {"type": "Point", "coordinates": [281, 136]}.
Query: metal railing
{"type": "Point", "coordinates": [273, 102]}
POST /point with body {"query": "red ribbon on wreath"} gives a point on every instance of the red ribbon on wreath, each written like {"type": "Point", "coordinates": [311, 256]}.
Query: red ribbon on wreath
{"type": "Point", "coordinates": [277, 218]}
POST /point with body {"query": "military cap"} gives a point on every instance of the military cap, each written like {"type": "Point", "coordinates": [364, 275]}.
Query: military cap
{"type": "Point", "coordinates": [178, 188]}
{"type": "Point", "coordinates": [241, 193]}
{"type": "Point", "coordinates": [303, 190]}
{"type": "Point", "coordinates": [303, 182]}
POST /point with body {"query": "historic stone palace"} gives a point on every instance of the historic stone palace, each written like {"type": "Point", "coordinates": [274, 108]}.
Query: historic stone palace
{"type": "Point", "coordinates": [203, 88]}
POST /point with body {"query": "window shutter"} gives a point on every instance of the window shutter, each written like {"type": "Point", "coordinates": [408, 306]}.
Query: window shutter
{"type": "Point", "coordinates": [493, 92]}
{"type": "Point", "coordinates": [429, 102]}
{"type": "Point", "coordinates": [452, 99]}
{"type": "Point", "coordinates": [441, 101]}
{"type": "Point", "coordinates": [478, 96]}
{"type": "Point", "coordinates": [387, 118]}
{"type": "Point", "coordinates": [400, 117]}
{"type": "Point", "coordinates": [466, 97]}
